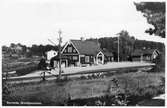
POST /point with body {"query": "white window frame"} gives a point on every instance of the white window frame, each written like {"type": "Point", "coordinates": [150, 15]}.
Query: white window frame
{"type": "Point", "coordinates": [87, 59]}
{"type": "Point", "coordinates": [70, 49]}
{"type": "Point", "coordinates": [76, 58]}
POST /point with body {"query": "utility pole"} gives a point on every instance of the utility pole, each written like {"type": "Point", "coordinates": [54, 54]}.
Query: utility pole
{"type": "Point", "coordinates": [60, 40]}
{"type": "Point", "coordinates": [118, 48]}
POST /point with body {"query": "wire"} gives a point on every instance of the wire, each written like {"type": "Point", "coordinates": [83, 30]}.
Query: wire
{"type": "Point", "coordinates": [51, 42]}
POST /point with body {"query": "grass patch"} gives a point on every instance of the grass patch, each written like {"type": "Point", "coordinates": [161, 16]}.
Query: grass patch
{"type": "Point", "coordinates": [22, 66]}
{"type": "Point", "coordinates": [138, 84]}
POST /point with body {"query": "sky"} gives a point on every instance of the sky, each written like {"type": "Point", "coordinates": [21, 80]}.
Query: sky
{"type": "Point", "coordinates": [35, 21]}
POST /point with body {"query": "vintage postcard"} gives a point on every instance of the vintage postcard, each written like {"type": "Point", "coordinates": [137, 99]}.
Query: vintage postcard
{"type": "Point", "coordinates": [82, 52]}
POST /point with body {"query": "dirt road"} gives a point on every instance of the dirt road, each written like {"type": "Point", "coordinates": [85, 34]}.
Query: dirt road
{"type": "Point", "coordinates": [84, 70]}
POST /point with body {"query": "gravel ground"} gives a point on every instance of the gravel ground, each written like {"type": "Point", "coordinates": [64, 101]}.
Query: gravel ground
{"type": "Point", "coordinates": [70, 70]}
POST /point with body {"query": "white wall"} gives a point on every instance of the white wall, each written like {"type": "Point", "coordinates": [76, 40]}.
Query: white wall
{"type": "Point", "coordinates": [51, 54]}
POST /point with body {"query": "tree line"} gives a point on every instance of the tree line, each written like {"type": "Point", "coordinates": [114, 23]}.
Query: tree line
{"type": "Point", "coordinates": [127, 44]}
{"type": "Point", "coordinates": [34, 50]}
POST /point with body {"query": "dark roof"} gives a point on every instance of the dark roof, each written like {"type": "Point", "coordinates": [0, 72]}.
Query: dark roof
{"type": "Point", "coordinates": [149, 51]}
{"type": "Point", "coordinates": [140, 52]}
{"type": "Point", "coordinates": [137, 52]}
{"type": "Point", "coordinates": [107, 53]}
{"type": "Point", "coordinates": [86, 47]}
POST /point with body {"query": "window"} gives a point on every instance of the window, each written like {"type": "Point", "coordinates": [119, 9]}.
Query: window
{"type": "Point", "coordinates": [86, 58]}
{"type": "Point", "coordinates": [75, 57]}
{"type": "Point", "coordinates": [69, 49]}
{"type": "Point", "coordinates": [74, 50]}
{"type": "Point", "coordinates": [100, 54]}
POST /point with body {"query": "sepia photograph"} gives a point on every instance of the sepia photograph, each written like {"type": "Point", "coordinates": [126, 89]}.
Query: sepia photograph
{"type": "Point", "coordinates": [82, 52]}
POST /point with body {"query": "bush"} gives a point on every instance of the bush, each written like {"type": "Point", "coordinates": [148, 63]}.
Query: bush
{"type": "Point", "coordinates": [26, 69]}
{"type": "Point", "coordinates": [63, 79]}
{"type": "Point", "coordinates": [5, 92]}
{"type": "Point", "coordinates": [159, 63]}
{"type": "Point", "coordinates": [82, 77]}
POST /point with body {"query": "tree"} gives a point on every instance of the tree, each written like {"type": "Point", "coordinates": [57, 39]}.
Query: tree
{"type": "Point", "coordinates": [155, 14]}
{"type": "Point", "coordinates": [12, 45]}
{"type": "Point", "coordinates": [4, 48]}
{"type": "Point", "coordinates": [42, 64]}
{"type": "Point", "coordinates": [126, 44]}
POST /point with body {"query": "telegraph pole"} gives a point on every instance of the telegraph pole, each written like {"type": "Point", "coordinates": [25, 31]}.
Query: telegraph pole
{"type": "Point", "coordinates": [118, 48]}
{"type": "Point", "coordinates": [60, 40]}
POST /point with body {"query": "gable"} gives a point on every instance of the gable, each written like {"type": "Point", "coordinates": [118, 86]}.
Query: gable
{"type": "Point", "coordinates": [155, 53]}
{"type": "Point", "coordinates": [69, 49]}
{"type": "Point", "coordinates": [100, 54]}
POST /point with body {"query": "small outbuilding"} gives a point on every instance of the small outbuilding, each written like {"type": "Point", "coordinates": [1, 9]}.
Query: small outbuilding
{"type": "Point", "coordinates": [54, 62]}
{"type": "Point", "coordinates": [109, 57]}
{"type": "Point", "coordinates": [145, 55]}
{"type": "Point", "coordinates": [50, 54]}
